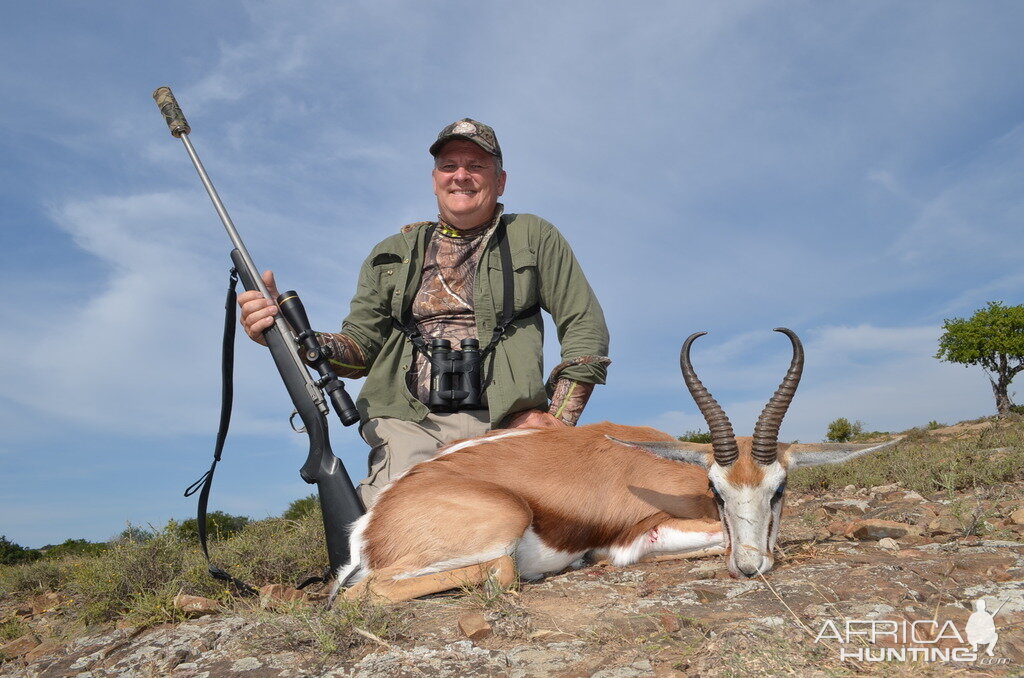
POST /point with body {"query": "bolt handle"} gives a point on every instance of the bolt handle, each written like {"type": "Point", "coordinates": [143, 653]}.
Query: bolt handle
{"type": "Point", "coordinates": [171, 111]}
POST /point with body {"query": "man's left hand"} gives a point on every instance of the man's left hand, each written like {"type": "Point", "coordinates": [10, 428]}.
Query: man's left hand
{"type": "Point", "coordinates": [534, 419]}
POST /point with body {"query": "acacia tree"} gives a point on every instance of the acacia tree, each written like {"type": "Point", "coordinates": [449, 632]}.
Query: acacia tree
{"type": "Point", "coordinates": [994, 339]}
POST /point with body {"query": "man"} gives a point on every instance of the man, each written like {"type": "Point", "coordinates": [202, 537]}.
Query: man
{"type": "Point", "coordinates": [446, 280]}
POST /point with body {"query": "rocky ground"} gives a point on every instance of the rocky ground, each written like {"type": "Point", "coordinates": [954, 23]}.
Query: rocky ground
{"type": "Point", "coordinates": [881, 554]}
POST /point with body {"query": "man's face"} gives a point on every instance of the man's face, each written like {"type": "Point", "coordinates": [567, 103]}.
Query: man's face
{"type": "Point", "coordinates": [466, 183]}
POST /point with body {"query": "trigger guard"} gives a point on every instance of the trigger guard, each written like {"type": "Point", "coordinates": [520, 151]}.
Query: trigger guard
{"type": "Point", "coordinates": [291, 422]}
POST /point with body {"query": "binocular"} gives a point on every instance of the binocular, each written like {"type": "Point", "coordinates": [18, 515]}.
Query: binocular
{"type": "Point", "coordinates": [454, 376]}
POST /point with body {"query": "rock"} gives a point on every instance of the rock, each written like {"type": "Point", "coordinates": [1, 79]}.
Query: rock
{"type": "Point", "coordinates": [20, 646]}
{"type": "Point", "coordinates": [838, 527]}
{"type": "Point", "coordinates": [45, 602]}
{"type": "Point", "coordinates": [945, 524]}
{"type": "Point", "coordinates": [474, 626]}
{"type": "Point", "coordinates": [196, 606]}
{"type": "Point", "coordinates": [42, 650]}
{"type": "Point", "coordinates": [888, 543]}
{"type": "Point", "coordinates": [878, 529]}
{"type": "Point", "coordinates": [1018, 517]}
{"type": "Point", "coordinates": [849, 489]}
{"type": "Point", "coordinates": [705, 570]}
{"type": "Point", "coordinates": [669, 622]}
{"type": "Point", "coordinates": [272, 595]}
{"type": "Point", "coordinates": [883, 489]}
{"type": "Point", "coordinates": [912, 496]}
{"type": "Point", "coordinates": [854, 505]}
{"type": "Point", "coordinates": [246, 664]}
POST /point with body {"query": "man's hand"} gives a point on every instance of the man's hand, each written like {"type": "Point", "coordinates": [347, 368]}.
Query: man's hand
{"type": "Point", "coordinates": [257, 311]}
{"type": "Point", "coordinates": [534, 419]}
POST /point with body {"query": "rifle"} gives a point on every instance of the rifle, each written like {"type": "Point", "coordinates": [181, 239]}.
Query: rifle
{"type": "Point", "coordinates": [338, 500]}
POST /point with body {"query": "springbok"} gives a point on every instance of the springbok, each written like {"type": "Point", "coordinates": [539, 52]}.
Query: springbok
{"type": "Point", "coordinates": [549, 497]}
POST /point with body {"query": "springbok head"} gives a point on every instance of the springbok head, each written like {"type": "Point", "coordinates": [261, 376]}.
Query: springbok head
{"type": "Point", "coordinates": [747, 476]}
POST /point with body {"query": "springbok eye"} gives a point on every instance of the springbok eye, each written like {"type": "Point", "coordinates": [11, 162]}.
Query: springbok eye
{"type": "Point", "coordinates": [714, 492]}
{"type": "Point", "coordinates": [779, 491]}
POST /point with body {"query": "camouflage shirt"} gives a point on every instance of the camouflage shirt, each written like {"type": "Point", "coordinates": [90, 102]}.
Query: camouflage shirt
{"type": "Point", "coordinates": [443, 307]}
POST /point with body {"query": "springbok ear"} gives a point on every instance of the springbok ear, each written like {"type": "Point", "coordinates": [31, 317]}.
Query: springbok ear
{"type": "Point", "coordinates": [799, 455]}
{"type": "Point", "coordinates": [701, 454]}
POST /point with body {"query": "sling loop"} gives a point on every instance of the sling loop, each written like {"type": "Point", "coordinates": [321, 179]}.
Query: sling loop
{"type": "Point", "coordinates": [206, 480]}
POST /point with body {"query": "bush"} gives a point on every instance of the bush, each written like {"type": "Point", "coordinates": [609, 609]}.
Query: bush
{"type": "Point", "coordinates": [34, 577]}
{"type": "Point", "coordinates": [219, 525]}
{"type": "Point", "coordinates": [12, 554]}
{"type": "Point", "coordinates": [133, 533]}
{"type": "Point", "coordinates": [842, 430]}
{"type": "Point", "coordinates": [696, 436]}
{"type": "Point", "coordinates": [300, 508]}
{"type": "Point", "coordinates": [74, 547]}
{"type": "Point", "coordinates": [927, 463]}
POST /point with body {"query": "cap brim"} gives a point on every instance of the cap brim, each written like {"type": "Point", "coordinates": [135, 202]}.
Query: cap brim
{"type": "Point", "coordinates": [435, 148]}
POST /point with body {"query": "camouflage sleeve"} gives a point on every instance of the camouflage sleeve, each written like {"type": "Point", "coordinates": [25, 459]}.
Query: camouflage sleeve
{"type": "Point", "coordinates": [569, 399]}
{"type": "Point", "coordinates": [344, 355]}
{"type": "Point", "coordinates": [568, 396]}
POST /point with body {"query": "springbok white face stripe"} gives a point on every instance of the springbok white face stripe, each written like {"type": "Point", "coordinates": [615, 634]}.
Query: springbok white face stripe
{"type": "Point", "coordinates": [750, 517]}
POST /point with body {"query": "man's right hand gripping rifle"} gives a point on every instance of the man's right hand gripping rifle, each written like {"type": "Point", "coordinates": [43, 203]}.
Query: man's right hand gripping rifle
{"type": "Point", "coordinates": [257, 315]}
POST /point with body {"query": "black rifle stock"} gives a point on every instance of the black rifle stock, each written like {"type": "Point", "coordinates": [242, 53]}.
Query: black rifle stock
{"type": "Point", "coordinates": [338, 500]}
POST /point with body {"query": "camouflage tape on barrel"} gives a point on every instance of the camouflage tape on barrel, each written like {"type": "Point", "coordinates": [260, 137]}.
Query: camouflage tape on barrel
{"type": "Point", "coordinates": [171, 111]}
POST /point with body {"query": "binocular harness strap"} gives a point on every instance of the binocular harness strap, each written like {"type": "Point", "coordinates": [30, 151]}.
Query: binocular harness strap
{"type": "Point", "coordinates": [508, 313]}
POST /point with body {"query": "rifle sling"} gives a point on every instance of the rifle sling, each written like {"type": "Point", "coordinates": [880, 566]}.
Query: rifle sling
{"type": "Point", "coordinates": [206, 480]}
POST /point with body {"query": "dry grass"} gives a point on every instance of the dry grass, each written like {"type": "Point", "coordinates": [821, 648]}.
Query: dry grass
{"type": "Point", "coordinates": [929, 462]}
{"type": "Point", "coordinates": [137, 580]}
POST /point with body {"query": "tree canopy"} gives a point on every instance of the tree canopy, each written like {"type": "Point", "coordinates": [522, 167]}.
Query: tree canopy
{"type": "Point", "coordinates": [992, 338]}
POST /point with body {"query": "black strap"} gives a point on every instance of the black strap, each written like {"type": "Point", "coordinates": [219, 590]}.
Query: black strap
{"type": "Point", "coordinates": [206, 480]}
{"type": "Point", "coordinates": [508, 312]}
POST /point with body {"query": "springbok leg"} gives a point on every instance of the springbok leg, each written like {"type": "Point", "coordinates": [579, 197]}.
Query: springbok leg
{"type": "Point", "coordinates": [383, 585]}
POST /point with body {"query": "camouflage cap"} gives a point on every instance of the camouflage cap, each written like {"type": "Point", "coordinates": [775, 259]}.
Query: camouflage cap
{"type": "Point", "coordinates": [467, 128]}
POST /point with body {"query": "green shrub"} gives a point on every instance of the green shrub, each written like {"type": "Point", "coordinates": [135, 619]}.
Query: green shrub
{"type": "Point", "coordinates": [34, 577]}
{"type": "Point", "coordinates": [133, 533]}
{"type": "Point", "coordinates": [12, 628]}
{"type": "Point", "coordinates": [219, 525]}
{"type": "Point", "coordinates": [74, 547]}
{"type": "Point", "coordinates": [302, 507]}
{"type": "Point", "coordinates": [11, 553]}
{"type": "Point", "coordinates": [696, 436]}
{"type": "Point", "coordinates": [842, 430]}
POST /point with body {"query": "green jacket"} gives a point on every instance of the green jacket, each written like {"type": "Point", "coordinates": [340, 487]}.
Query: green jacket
{"type": "Point", "coordinates": [546, 272]}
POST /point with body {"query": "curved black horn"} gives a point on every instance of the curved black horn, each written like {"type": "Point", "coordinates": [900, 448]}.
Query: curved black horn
{"type": "Point", "coordinates": [723, 440]}
{"type": "Point", "coordinates": [766, 432]}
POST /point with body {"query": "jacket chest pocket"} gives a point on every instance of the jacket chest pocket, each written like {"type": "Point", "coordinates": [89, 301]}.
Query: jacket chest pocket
{"type": "Point", "coordinates": [524, 278]}
{"type": "Point", "coordinates": [387, 268]}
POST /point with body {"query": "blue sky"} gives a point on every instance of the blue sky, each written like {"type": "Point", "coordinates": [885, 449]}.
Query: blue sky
{"type": "Point", "coordinates": [849, 170]}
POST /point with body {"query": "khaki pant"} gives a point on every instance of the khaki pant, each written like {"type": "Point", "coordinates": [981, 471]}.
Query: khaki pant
{"type": "Point", "coordinates": [396, 444]}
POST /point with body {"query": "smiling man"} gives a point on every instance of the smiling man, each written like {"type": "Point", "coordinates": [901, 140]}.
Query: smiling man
{"type": "Point", "coordinates": [477, 278]}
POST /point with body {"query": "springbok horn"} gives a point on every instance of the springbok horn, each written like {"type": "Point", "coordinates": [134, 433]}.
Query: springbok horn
{"type": "Point", "coordinates": [723, 440]}
{"type": "Point", "coordinates": [765, 447]}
